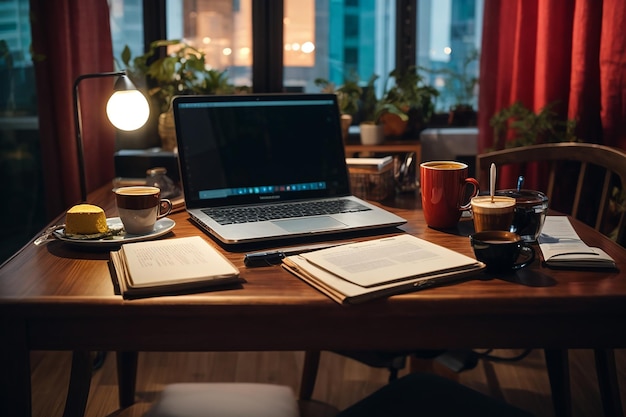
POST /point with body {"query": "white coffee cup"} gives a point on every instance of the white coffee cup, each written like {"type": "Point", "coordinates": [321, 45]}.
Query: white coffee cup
{"type": "Point", "coordinates": [139, 207]}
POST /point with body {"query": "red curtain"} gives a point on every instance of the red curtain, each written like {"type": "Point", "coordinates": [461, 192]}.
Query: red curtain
{"type": "Point", "coordinates": [571, 51]}
{"type": "Point", "coordinates": [70, 38]}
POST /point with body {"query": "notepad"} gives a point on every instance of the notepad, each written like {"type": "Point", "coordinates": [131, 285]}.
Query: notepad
{"type": "Point", "coordinates": [171, 265]}
{"type": "Point", "coordinates": [376, 268]}
{"type": "Point", "coordinates": [562, 247]}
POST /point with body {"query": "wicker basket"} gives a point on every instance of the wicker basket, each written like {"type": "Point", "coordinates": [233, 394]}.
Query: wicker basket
{"type": "Point", "coordinates": [370, 183]}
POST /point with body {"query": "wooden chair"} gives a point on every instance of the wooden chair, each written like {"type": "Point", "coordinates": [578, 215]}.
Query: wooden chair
{"type": "Point", "coordinates": [590, 164]}
{"type": "Point", "coordinates": [596, 169]}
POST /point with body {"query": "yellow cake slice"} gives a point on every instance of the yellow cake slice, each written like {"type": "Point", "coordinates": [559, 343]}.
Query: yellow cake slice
{"type": "Point", "coordinates": [85, 219]}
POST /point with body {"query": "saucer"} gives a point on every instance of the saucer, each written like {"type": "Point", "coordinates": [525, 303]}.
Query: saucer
{"type": "Point", "coordinates": [161, 227]}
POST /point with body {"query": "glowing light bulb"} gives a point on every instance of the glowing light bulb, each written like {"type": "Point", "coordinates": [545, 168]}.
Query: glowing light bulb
{"type": "Point", "coordinates": [128, 110]}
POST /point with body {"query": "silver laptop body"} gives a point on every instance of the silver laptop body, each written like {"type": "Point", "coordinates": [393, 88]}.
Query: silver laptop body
{"type": "Point", "coordinates": [242, 155]}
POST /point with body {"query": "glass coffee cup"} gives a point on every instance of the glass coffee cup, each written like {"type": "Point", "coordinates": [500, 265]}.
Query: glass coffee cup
{"type": "Point", "coordinates": [531, 208]}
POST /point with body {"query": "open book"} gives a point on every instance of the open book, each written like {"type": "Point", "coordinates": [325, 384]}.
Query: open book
{"type": "Point", "coordinates": [562, 247]}
{"type": "Point", "coordinates": [362, 271]}
{"type": "Point", "coordinates": [170, 266]}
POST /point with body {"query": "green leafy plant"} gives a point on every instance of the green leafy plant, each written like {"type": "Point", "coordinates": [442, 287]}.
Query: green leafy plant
{"type": "Point", "coordinates": [371, 107]}
{"type": "Point", "coordinates": [409, 97]}
{"type": "Point", "coordinates": [183, 71]}
{"type": "Point", "coordinates": [524, 127]}
{"type": "Point", "coordinates": [354, 99]}
{"type": "Point", "coordinates": [348, 94]}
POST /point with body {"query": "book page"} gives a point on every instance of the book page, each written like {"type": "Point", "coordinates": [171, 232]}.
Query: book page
{"type": "Point", "coordinates": [558, 236]}
{"type": "Point", "coordinates": [387, 260]}
{"type": "Point", "coordinates": [560, 244]}
{"type": "Point", "coordinates": [164, 262]}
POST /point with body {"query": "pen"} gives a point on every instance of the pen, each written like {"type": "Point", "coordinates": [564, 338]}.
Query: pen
{"type": "Point", "coordinates": [274, 257]}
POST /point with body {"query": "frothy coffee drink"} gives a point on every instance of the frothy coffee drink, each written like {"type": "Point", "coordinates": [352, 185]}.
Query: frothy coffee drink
{"type": "Point", "coordinates": [493, 215]}
{"type": "Point", "coordinates": [139, 208]}
{"type": "Point", "coordinates": [445, 165]}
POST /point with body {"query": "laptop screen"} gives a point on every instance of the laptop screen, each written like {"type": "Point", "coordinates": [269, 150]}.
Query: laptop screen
{"type": "Point", "coordinates": [242, 149]}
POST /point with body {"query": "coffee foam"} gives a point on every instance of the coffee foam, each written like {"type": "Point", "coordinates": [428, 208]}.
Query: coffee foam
{"type": "Point", "coordinates": [498, 202]}
{"type": "Point", "coordinates": [444, 165]}
{"type": "Point", "coordinates": [139, 190]}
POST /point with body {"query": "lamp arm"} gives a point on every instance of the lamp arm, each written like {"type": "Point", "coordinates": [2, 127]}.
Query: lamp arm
{"type": "Point", "coordinates": [78, 127]}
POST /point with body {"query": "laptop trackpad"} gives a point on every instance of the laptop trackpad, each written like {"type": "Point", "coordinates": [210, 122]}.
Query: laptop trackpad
{"type": "Point", "coordinates": [309, 224]}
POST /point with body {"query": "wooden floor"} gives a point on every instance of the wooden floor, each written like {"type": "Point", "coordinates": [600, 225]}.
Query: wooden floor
{"type": "Point", "coordinates": [340, 381]}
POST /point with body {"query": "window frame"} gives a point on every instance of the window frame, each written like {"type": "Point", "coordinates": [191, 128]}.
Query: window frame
{"type": "Point", "coordinates": [267, 32]}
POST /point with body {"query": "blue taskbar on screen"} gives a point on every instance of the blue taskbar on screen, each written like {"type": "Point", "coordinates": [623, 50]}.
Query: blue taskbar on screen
{"type": "Point", "coordinates": [263, 189]}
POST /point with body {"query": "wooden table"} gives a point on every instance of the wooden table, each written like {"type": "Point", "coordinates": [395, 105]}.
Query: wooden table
{"type": "Point", "coordinates": [59, 297]}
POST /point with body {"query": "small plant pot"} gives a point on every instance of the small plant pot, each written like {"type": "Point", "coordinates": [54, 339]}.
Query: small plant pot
{"type": "Point", "coordinates": [393, 125]}
{"type": "Point", "coordinates": [372, 134]}
{"type": "Point", "coordinates": [346, 121]}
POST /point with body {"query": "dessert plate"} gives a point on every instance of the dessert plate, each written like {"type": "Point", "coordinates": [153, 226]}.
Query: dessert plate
{"type": "Point", "coordinates": [161, 227]}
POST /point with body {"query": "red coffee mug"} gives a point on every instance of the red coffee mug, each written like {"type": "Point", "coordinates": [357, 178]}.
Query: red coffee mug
{"type": "Point", "coordinates": [444, 186]}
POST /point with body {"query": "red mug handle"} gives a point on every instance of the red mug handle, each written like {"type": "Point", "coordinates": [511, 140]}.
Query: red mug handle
{"type": "Point", "coordinates": [471, 182]}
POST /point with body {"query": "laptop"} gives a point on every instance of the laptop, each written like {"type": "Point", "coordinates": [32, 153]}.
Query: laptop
{"type": "Point", "coordinates": [258, 167]}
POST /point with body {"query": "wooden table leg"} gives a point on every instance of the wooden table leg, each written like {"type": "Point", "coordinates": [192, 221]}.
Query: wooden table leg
{"type": "Point", "coordinates": [608, 382]}
{"type": "Point", "coordinates": [557, 364]}
{"type": "Point", "coordinates": [80, 382]}
{"type": "Point", "coordinates": [309, 374]}
{"type": "Point", "coordinates": [127, 377]}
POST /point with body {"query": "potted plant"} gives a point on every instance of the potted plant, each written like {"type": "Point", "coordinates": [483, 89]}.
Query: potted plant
{"type": "Point", "coordinates": [180, 72]}
{"type": "Point", "coordinates": [372, 131]}
{"type": "Point", "coordinates": [348, 96]}
{"type": "Point", "coordinates": [525, 127]}
{"type": "Point", "coordinates": [408, 104]}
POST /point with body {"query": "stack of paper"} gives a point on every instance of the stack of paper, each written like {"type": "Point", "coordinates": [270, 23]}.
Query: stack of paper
{"type": "Point", "coordinates": [377, 163]}
{"type": "Point", "coordinates": [169, 266]}
{"type": "Point", "coordinates": [362, 271]}
{"type": "Point", "coordinates": [562, 247]}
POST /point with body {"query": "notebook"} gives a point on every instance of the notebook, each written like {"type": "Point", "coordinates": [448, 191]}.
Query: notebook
{"type": "Point", "coordinates": [241, 156]}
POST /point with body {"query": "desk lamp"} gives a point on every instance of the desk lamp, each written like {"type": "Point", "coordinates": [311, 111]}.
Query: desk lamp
{"type": "Point", "coordinates": [127, 109]}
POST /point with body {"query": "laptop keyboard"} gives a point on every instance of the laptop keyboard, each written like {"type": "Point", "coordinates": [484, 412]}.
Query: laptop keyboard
{"type": "Point", "coordinates": [232, 215]}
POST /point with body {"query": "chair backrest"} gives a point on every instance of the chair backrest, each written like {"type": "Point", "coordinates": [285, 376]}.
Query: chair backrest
{"type": "Point", "coordinates": [595, 168]}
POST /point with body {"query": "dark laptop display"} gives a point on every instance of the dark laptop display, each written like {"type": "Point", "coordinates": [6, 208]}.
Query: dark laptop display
{"type": "Point", "coordinates": [268, 149]}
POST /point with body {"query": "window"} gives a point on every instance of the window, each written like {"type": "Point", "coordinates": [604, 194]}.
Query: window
{"type": "Point", "coordinates": [20, 156]}
{"type": "Point", "coordinates": [351, 38]}
{"type": "Point", "coordinates": [449, 34]}
{"type": "Point", "coordinates": [126, 20]}
{"type": "Point", "coordinates": [222, 29]}
{"type": "Point", "coordinates": [322, 39]}
{"type": "Point", "coordinates": [17, 77]}
{"type": "Point", "coordinates": [330, 39]}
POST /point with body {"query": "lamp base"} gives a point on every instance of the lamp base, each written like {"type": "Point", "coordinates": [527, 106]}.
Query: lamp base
{"type": "Point", "coordinates": [133, 163]}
